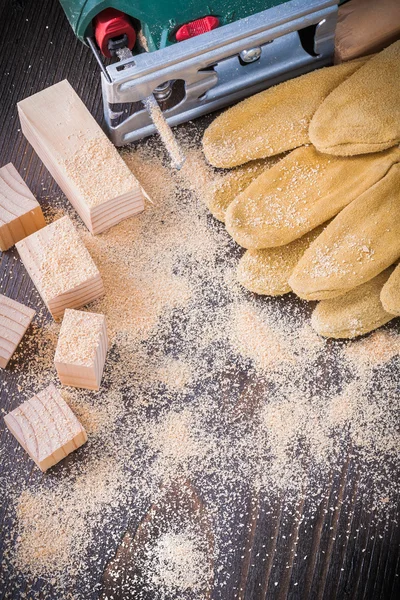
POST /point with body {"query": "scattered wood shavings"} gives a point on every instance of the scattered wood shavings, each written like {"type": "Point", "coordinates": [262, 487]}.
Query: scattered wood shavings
{"type": "Point", "coordinates": [79, 337]}
{"type": "Point", "coordinates": [377, 349]}
{"type": "Point", "coordinates": [177, 564]}
{"type": "Point", "coordinates": [205, 382]}
{"type": "Point", "coordinates": [256, 339]}
{"type": "Point", "coordinates": [97, 172]}
{"type": "Point", "coordinates": [174, 374]}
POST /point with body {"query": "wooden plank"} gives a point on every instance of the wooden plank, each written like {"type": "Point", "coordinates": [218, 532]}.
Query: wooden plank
{"type": "Point", "coordinates": [61, 267]}
{"type": "Point", "coordinates": [81, 349]}
{"type": "Point", "coordinates": [15, 319]}
{"type": "Point", "coordinates": [20, 213]}
{"type": "Point", "coordinates": [80, 157]}
{"type": "Point", "coordinates": [46, 428]}
{"type": "Point", "coordinates": [365, 27]}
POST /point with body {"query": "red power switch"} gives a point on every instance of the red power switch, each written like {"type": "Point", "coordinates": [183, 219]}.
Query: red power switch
{"type": "Point", "coordinates": [196, 28]}
{"type": "Point", "coordinates": [110, 24]}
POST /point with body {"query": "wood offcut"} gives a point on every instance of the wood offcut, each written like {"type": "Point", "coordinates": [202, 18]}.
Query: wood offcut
{"type": "Point", "coordinates": [46, 428]}
{"type": "Point", "coordinates": [15, 319]}
{"type": "Point", "coordinates": [20, 213]}
{"type": "Point", "coordinates": [81, 349]}
{"type": "Point", "coordinates": [80, 157]}
{"type": "Point", "coordinates": [61, 267]}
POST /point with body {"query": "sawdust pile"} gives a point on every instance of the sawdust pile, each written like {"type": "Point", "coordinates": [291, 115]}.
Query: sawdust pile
{"type": "Point", "coordinates": [95, 183]}
{"type": "Point", "coordinates": [177, 564]}
{"type": "Point", "coordinates": [207, 389]}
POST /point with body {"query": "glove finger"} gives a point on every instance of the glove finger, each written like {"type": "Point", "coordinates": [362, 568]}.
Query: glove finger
{"type": "Point", "coordinates": [220, 193]}
{"type": "Point", "coordinates": [267, 271]}
{"type": "Point", "coordinates": [362, 114]}
{"type": "Point", "coordinates": [357, 312]}
{"type": "Point", "coordinates": [390, 294]}
{"type": "Point", "coordinates": [272, 121]}
{"type": "Point", "coordinates": [362, 241]}
{"type": "Point", "coordinates": [305, 189]}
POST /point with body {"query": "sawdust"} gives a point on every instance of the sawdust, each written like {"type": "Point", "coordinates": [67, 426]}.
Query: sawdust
{"type": "Point", "coordinates": [204, 383]}
{"type": "Point", "coordinates": [377, 349]}
{"type": "Point", "coordinates": [177, 564]}
{"type": "Point", "coordinates": [164, 131]}
{"type": "Point", "coordinates": [79, 338]}
{"type": "Point", "coordinates": [52, 520]}
{"type": "Point", "coordinates": [174, 374]}
{"type": "Point", "coordinates": [134, 297]}
{"type": "Point", "coordinates": [63, 262]}
{"type": "Point", "coordinates": [256, 339]}
{"type": "Point", "coordinates": [95, 183]}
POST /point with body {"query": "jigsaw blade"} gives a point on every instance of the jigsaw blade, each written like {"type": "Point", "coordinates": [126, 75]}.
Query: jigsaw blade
{"type": "Point", "coordinates": [160, 123]}
{"type": "Point", "coordinates": [165, 132]}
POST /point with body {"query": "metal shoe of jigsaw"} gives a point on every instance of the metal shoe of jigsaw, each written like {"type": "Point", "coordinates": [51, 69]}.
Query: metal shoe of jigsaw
{"type": "Point", "coordinates": [181, 60]}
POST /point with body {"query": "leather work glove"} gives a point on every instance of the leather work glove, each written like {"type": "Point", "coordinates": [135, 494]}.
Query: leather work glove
{"type": "Point", "coordinates": [355, 313]}
{"type": "Point", "coordinates": [267, 271]}
{"type": "Point", "coordinates": [361, 242]}
{"type": "Point", "coordinates": [273, 121]}
{"type": "Point", "coordinates": [362, 114]}
{"type": "Point", "coordinates": [390, 294]}
{"type": "Point", "coordinates": [221, 191]}
{"type": "Point", "coordinates": [280, 212]}
{"type": "Point", "coordinates": [302, 191]}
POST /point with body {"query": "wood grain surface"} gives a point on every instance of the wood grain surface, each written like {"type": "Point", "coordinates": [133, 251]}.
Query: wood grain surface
{"type": "Point", "coordinates": [15, 319]}
{"type": "Point", "coordinates": [20, 214]}
{"type": "Point", "coordinates": [71, 279]}
{"type": "Point", "coordinates": [46, 427]}
{"type": "Point", "coordinates": [81, 349]}
{"type": "Point", "coordinates": [337, 552]}
{"type": "Point", "coordinates": [62, 131]}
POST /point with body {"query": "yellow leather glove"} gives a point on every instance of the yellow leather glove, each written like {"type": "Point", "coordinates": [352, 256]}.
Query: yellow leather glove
{"type": "Point", "coordinates": [302, 191]}
{"type": "Point", "coordinates": [267, 271]}
{"type": "Point", "coordinates": [273, 121]}
{"type": "Point", "coordinates": [390, 295]}
{"type": "Point", "coordinates": [275, 211]}
{"type": "Point", "coordinates": [362, 241]}
{"type": "Point", "coordinates": [362, 114]}
{"type": "Point", "coordinates": [355, 313]}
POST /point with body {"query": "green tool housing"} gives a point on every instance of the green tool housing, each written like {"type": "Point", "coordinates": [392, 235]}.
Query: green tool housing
{"type": "Point", "coordinates": [160, 19]}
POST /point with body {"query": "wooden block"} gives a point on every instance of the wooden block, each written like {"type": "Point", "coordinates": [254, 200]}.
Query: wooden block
{"type": "Point", "coordinates": [81, 349]}
{"type": "Point", "coordinates": [80, 157]}
{"type": "Point", "coordinates": [365, 27]}
{"type": "Point", "coordinates": [61, 267]}
{"type": "Point", "coordinates": [46, 428]}
{"type": "Point", "coordinates": [15, 319]}
{"type": "Point", "coordinates": [20, 213]}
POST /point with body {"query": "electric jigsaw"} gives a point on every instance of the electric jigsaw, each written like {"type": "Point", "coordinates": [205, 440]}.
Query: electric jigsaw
{"type": "Point", "coordinates": [174, 61]}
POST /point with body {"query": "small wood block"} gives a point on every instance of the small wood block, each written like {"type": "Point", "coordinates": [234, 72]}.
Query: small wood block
{"type": "Point", "coordinates": [365, 27]}
{"type": "Point", "coordinates": [81, 349]}
{"type": "Point", "coordinates": [15, 319]}
{"type": "Point", "coordinates": [80, 157]}
{"type": "Point", "coordinates": [61, 267]}
{"type": "Point", "coordinates": [46, 428]}
{"type": "Point", "coordinates": [20, 213]}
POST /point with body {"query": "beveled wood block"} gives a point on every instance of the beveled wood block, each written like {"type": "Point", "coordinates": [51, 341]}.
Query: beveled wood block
{"type": "Point", "coordinates": [80, 157]}
{"type": "Point", "coordinates": [81, 349]}
{"type": "Point", "coordinates": [61, 267]}
{"type": "Point", "coordinates": [20, 213]}
{"type": "Point", "coordinates": [46, 428]}
{"type": "Point", "coordinates": [15, 319]}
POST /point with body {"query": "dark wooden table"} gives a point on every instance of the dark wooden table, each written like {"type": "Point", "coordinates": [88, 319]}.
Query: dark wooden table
{"type": "Point", "coordinates": [349, 555]}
